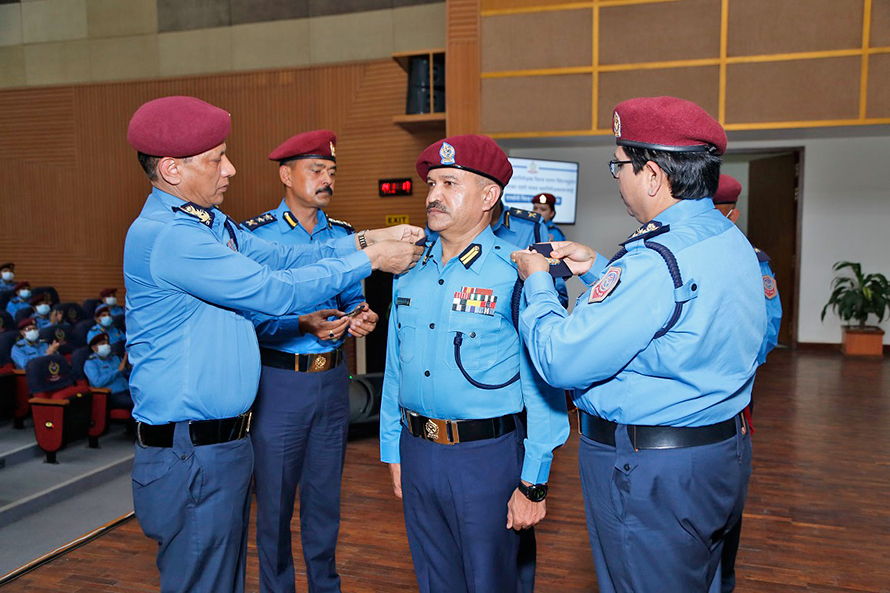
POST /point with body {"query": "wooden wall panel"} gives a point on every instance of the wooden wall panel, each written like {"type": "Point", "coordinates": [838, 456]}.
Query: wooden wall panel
{"type": "Point", "coordinates": [769, 27]}
{"type": "Point", "coordinates": [878, 86]}
{"type": "Point", "coordinates": [880, 23]}
{"type": "Point", "coordinates": [70, 185]}
{"type": "Point", "coordinates": [695, 84]}
{"type": "Point", "coordinates": [556, 39]}
{"type": "Point", "coordinates": [487, 5]}
{"type": "Point", "coordinates": [685, 30]}
{"type": "Point", "coordinates": [826, 89]}
{"type": "Point", "coordinates": [523, 104]}
{"type": "Point", "coordinates": [462, 67]}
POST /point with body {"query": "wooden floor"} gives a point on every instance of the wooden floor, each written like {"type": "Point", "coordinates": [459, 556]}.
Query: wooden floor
{"type": "Point", "coordinates": [817, 519]}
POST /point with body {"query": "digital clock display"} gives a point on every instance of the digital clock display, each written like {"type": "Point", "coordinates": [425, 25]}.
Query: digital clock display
{"type": "Point", "coordinates": [394, 187]}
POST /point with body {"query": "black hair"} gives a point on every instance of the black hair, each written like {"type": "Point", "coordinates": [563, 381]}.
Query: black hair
{"type": "Point", "coordinates": [149, 165]}
{"type": "Point", "coordinates": [692, 175]}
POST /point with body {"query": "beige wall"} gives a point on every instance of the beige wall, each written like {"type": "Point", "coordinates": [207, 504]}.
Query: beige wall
{"type": "Point", "coordinates": [52, 42]}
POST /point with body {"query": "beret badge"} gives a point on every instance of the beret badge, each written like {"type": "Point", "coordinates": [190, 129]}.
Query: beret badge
{"type": "Point", "coordinates": [616, 125]}
{"type": "Point", "coordinates": [333, 150]}
{"type": "Point", "coordinates": [446, 154]}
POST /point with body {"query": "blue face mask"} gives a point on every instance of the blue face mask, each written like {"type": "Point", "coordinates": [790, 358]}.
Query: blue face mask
{"type": "Point", "coordinates": [42, 309]}
{"type": "Point", "coordinates": [31, 335]}
{"type": "Point", "coordinates": [111, 301]}
{"type": "Point", "coordinates": [8, 276]}
{"type": "Point", "coordinates": [25, 293]}
{"type": "Point", "coordinates": [105, 320]}
{"type": "Point", "coordinates": [103, 350]}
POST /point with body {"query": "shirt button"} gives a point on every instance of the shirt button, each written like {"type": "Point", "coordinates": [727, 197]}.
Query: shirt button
{"type": "Point", "coordinates": [627, 467]}
{"type": "Point", "coordinates": [441, 281]}
{"type": "Point", "coordinates": [472, 334]}
{"type": "Point", "coordinates": [184, 457]}
{"type": "Point", "coordinates": [497, 246]}
{"type": "Point", "coordinates": [400, 326]}
{"type": "Point", "coordinates": [432, 326]}
{"type": "Point", "coordinates": [426, 373]}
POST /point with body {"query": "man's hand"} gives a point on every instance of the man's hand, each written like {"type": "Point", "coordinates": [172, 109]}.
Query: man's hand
{"type": "Point", "coordinates": [523, 513]}
{"type": "Point", "coordinates": [123, 365]}
{"type": "Point", "coordinates": [400, 232]}
{"type": "Point", "coordinates": [363, 323]}
{"type": "Point", "coordinates": [393, 256]}
{"type": "Point", "coordinates": [578, 257]}
{"type": "Point", "coordinates": [55, 318]}
{"type": "Point", "coordinates": [53, 348]}
{"type": "Point", "coordinates": [317, 324]}
{"type": "Point", "coordinates": [395, 470]}
{"type": "Point", "coordinates": [529, 262]}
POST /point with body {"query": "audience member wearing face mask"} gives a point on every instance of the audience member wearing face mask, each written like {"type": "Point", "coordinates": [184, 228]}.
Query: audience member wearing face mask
{"type": "Point", "coordinates": [30, 346]}
{"type": "Point", "coordinates": [106, 370]}
{"type": "Point", "coordinates": [22, 298]}
{"type": "Point", "coordinates": [109, 299]}
{"type": "Point", "coordinates": [105, 324]}
{"type": "Point", "coordinates": [7, 276]}
{"type": "Point", "coordinates": [44, 316]}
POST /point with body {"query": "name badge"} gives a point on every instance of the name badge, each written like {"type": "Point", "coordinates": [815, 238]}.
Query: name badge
{"type": "Point", "coordinates": [403, 302]}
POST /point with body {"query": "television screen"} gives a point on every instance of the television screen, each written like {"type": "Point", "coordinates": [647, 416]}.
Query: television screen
{"type": "Point", "coordinates": [535, 176]}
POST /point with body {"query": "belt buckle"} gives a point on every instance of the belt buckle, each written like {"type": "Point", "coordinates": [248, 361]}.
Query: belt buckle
{"type": "Point", "coordinates": [319, 362]}
{"type": "Point", "coordinates": [139, 440]}
{"type": "Point", "coordinates": [437, 431]}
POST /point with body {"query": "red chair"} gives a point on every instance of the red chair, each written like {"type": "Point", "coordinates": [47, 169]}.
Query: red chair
{"type": "Point", "coordinates": [63, 411]}
{"type": "Point", "coordinates": [78, 359]}
{"type": "Point", "coordinates": [15, 384]}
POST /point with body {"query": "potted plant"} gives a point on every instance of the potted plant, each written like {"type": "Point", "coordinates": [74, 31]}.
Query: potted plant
{"type": "Point", "coordinates": [855, 298]}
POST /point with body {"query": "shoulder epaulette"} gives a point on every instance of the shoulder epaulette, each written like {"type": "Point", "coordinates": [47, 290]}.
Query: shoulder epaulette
{"type": "Point", "coordinates": [203, 215]}
{"type": "Point", "coordinates": [761, 255]}
{"type": "Point", "coordinates": [647, 231]}
{"type": "Point", "coordinates": [524, 214]}
{"type": "Point", "coordinates": [341, 223]}
{"type": "Point", "coordinates": [258, 221]}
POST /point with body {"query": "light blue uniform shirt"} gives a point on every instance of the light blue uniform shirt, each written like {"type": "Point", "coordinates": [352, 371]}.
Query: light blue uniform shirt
{"type": "Point", "coordinates": [282, 333]}
{"type": "Point", "coordinates": [105, 373]}
{"type": "Point", "coordinates": [193, 351]}
{"type": "Point", "coordinates": [773, 307]}
{"type": "Point", "coordinates": [16, 303]}
{"type": "Point", "coordinates": [4, 285]}
{"type": "Point", "coordinates": [556, 233]}
{"type": "Point", "coordinates": [114, 334]}
{"type": "Point", "coordinates": [702, 370]}
{"type": "Point", "coordinates": [24, 351]}
{"type": "Point", "coordinates": [421, 370]}
{"type": "Point", "coordinates": [41, 321]}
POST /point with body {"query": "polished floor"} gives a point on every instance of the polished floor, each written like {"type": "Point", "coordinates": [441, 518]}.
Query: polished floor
{"type": "Point", "coordinates": [817, 519]}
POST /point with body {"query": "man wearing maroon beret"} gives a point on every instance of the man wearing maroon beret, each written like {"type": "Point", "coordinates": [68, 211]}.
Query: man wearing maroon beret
{"type": "Point", "coordinates": [545, 205]}
{"type": "Point", "coordinates": [22, 298]}
{"type": "Point", "coordinates": [30, 346]}
{"type": "Point", "coordinates": [472, 476]}
{"type": "Point", "coordinates": [192, 275]}
{"type": "Point", "coordinates": [7, 276]}
{"type": "Point", "coordinates": [109, 299]}
{"type": "Point", "coordinates": [301, 416]}
{"type": "Point", "coordinates": [660, 355]}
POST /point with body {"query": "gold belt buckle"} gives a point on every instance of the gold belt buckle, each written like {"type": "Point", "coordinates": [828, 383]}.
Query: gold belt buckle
{"type": "Point", "coordinates": [320, 363]}
{"type": "Point", "coordinates": [437, 431]}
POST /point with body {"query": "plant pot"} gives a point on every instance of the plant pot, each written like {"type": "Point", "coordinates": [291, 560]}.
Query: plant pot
{"type": "Point", "coordinates": [865, 341]}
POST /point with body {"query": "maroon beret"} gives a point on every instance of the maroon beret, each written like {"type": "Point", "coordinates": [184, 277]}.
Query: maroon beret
{"type": "Point", "coordinates": [318, 144]}
{"type": "Point", "coordinates": [20, 285]}
{"type": "Point", "coordinates": [98, 337]}
{"type": "Point", "coordinates": [472, 152]}
{"type": "Point", "coordinates": [101, 309]}
{"type": "Point", "coordinates": [178, 127]}
{"type": "Point", "coordinates": [545, 199]}
{"type": "Point", "coordinates": [728, 190]}
{"type": "Point", "coordinates": [9, 265]}
{"type": "Point", "coordinates": [41, 298]}
{"type": "Point", "coordinates": [107, 291]}
{"type": "Point", "coordinates": [26, 322]}
{"type": "Point", "coordinates": [667, 123]}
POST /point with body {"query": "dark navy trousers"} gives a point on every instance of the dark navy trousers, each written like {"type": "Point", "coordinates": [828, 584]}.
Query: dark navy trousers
{"type": "Point", "coordinates": [657, 518]}
{"type": "Point", "coordinates": [299, 430]}
{"type": "Point", "coordinates": [455, 499]}
{"type": "Point", "coordinates": [194, 501]}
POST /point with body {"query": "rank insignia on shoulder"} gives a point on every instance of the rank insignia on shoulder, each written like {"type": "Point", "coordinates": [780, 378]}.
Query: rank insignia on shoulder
{"type": "Point", "coordinates": [769, 287]}
{"type": "Point", "coordinates": [523, 214]}
{"type": "Point", "coordinates": [475, 300]}
{"type": "Point", "coordinates": [205, 217]}
{"type": "Point", "coordinates": [470, 254]}
{"type": "Point", "coordinates": [652, 229]}
{"type": "Point", "coordinates": [403, 302]}
{"type": "Point", "coordinates": [258, 221]}
{"type": "Point", "coordinates": [340, 223]}
{"type": "Point", "coordinates": [605, 285]}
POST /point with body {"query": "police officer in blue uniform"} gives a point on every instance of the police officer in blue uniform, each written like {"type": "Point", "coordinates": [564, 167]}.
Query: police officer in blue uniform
{"type": "Point", "coordinates": [105, 325]}
{"type": "Point", "coordinates": [7, 276]}
{"type": "Point", "coordinates": [456, 378]}
{"type": "Point", "coordinates": [44, 316]}
{"type": "Point", "coordinates": [545, 205]}
{"type": "Point", "coordinates": [30, 346]}
{"type": "Point", "coordinates": [190, 274]}
{"type": "Point", "coordinates": [661, 354]}
{"type": "Point", "coordinates": [106, 370]}
{"type": "Point", "coordinates": [725, 200]}
{"type": "Point", "coordinates": [109, 299]}
{"type": "Point", "coordinates": [22, 298]}
{"type": "Point", "coordinates": [301, 415]}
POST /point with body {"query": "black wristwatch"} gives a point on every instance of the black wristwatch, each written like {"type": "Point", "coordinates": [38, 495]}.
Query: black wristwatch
{"type": "Point", "coordinates": [535, 492]}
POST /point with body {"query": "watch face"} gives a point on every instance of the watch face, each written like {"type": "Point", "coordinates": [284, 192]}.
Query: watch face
{"type": "Point", "coordinates": [536, 492]}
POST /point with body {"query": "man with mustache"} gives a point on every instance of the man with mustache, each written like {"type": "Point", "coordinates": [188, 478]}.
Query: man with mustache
{"type": "Point", "coordinates": [301, 415]}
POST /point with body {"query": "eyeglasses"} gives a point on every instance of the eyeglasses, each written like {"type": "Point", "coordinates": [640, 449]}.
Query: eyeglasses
{"type": "Point", "coordinates": [614, 167]}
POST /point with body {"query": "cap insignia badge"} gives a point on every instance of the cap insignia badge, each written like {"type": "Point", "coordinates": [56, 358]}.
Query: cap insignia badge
{"type": "Point", "coordinates": [53, 369]}
{"type": "Point", "coordinates": [333, 150]}
{"type": "Point", "coordinates": [605, 285]}
{"type": "Point", "coordinates": [616, 125]}
{"type": "Point", "coordinates": [446, 154]}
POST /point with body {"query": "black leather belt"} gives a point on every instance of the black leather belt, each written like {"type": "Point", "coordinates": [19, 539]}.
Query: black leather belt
{"type": "Point", "coordinates": [202, 432]}
{"type": "Point", "coordinates": [451, 432]}
{"type": "Point", "coordinates": [303, 363]}
{"type": "Point", "coordinates": [659, 437]}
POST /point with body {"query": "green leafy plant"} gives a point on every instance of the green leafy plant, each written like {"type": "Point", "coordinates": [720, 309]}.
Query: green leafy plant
{"type": "Point", "coordinates": [858, 296]}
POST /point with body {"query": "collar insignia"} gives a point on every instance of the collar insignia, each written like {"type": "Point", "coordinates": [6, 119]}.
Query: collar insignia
{"type": "Point", "coordinates": [470, 255]}
{"type": "Point", "coordinates": [205, 217]}
{"type": "Point", "coordinates": [289, 219]}
{"type": "Point", "coordinates": [446, 154]}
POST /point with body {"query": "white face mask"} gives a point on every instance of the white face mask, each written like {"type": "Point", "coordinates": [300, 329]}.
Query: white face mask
{"type": "Point", "coordinates": [110, 301]}
{"type": "Point", "coordinates": [25, 293]}
{"type": "Point", "coordinates": [105, 320]}
{"type": "Point", "coordinates": [42, 309]}
{"type": "Point", "coordinates": [31, 335]}
{"type": "Point", "coordinates": [8, 276]}
{"type": "Point", "coordinates": [103, 350]}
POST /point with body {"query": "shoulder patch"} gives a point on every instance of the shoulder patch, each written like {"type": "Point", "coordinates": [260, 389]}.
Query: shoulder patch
{"type": "Point", "coordinates": [203, 215]}
{"type": "Point", "coordinates": [524, 214]}
{"type": "Point", "coordinates": [258, 221]}
{"type": "Point", "coordinates": [769, 287]}
{"type": "Point", "coordinates": [761, 255]}
{"type": "Point", "coordinates": [341, 223]}
{"type": "Point", "coordinates": [647, 231]}
{"type": "Point", "coordinates": [605, 285]}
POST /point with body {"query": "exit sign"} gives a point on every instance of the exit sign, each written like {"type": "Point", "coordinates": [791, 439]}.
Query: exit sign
{"type": "Point", "coordinates": [394, 187]}
{"type": "Point", "coordinates": [394, 219]}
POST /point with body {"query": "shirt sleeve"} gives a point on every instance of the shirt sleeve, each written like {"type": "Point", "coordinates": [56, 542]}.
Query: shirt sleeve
{"type": "Point", "coordinates": [97, 375]}
{"type": "Point", "coordinates": [390, 422]}
{"type": "Point", "coordinates": [605, 335]}
{"type": "Point", "coordinates": [19, 357]}
{"type": "Point", "coordinates": [283, 257]}
{"type": "Point", "coordinates": [271, 327]}
{"type": "Point", "coordinates": [773, 317]}
{"type": "Point", "coordinates": [189, 258]}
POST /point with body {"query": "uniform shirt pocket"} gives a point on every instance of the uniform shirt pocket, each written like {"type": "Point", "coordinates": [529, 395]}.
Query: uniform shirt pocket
{"type": "Point", "coordinates": [407, 332]}
{"type": "Point", "coordinates": [481, 340]}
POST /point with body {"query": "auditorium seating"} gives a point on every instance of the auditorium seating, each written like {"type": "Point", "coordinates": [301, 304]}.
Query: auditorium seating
{"type": "Point", "coordinates": [72, 312]}
{"type": "Point", "coordinates": [89, 307]}
{"type": "Point", "coordinates": [78, 358]}
{"type": "Point", "coordinates": [7, 323]}
{"type": "Point", "coordinates": [61, 334]}
{"type": "Point", "coordinates": [23, 313]}
{"type": "Point", "coordinates": [14, 382]}
{"type": "Point", "coordinates": [53, 294]}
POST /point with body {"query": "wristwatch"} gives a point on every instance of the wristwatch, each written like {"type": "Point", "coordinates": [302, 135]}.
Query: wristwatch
{"type": "Point", "coordinates": [362, 242]}
{"type": "Point", "coordinates": [535, 492]}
